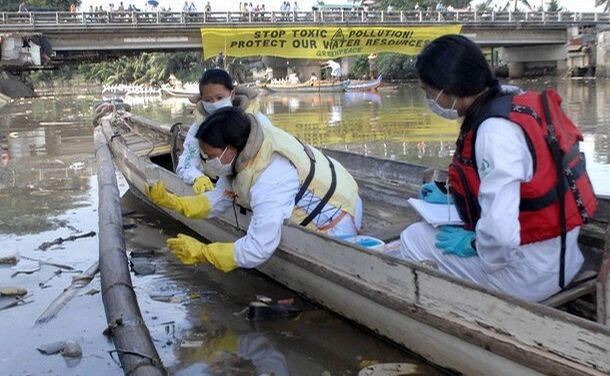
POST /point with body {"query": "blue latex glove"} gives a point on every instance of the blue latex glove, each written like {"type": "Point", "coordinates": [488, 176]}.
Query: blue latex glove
{"type": "Point", "coordinates": [455, 240]}
{"type": "Point", "coordinates": [430, 192]}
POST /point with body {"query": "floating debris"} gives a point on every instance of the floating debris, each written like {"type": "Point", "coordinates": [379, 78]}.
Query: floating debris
{"type": "Point", "coordinates": [142, 266]}
{"type": "Point", "coordinates": [12, 291]}
{"type": "Point", "coordinates": [29, 270]}
{"type": "Point", "coordinates": [11, 301]}
{"type": "Point", "coordinates": [50, 263]}
{"type": "Point", "coordinates": [170, 298]}
{"type": "Point", "coordinates": [44, 285]}
{"type": "Point", "coordinates": [9, 260]}
{"type": "Point", "coordinates": [69, 349]}
{"type": "Point", "coordinates": [264, 299]}
{"type": "Point", "coordinates": [46, 245]}
{"type": "Point", "coordinates": [78, 282]}
{"type": "Point", "coordinates": [258, 311]}
{"type": "Point", "coordinates": [392, 369]}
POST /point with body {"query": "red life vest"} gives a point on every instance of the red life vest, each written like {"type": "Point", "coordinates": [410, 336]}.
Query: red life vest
{"type": "Point", "coordinates": [539, 210]}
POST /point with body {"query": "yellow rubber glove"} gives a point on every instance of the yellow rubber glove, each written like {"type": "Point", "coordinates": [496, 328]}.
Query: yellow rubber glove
{"type": "Point", "coordinates": [189, 206]}
{"type": "Point", "coordinates": [191, 251]}
{"type": "Point", "coordinates": [202, 184]}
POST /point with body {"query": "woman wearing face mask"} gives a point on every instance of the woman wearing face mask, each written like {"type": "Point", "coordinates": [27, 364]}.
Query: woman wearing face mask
{"type": "Point", "coordinates": [269, 171]}
{"type": "Point", "coordinates": [502, 180]}
{"type": "Point", "coordinates": [216, 91]}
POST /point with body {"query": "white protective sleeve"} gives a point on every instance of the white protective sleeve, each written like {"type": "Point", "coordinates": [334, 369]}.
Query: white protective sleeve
{"type": "Point", "coordinates": [220, 199]}
{"type": "Point", "coordinates": [272, 201]}
{"type": "Point", "coordinates": [189, 160]}
{"type": "Point", "coordinates": [504, 162]}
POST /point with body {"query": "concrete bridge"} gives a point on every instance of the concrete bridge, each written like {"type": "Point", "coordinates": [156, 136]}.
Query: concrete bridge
{"type": "Point", "coordinates": [539, 35]}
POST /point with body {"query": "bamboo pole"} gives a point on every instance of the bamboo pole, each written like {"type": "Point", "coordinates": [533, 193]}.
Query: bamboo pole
{"type": "Point", "coordinates": [131, 337]}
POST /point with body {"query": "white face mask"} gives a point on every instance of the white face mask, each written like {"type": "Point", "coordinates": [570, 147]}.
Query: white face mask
{"type": "Point", "coordinates": [216, 167]}
{"type": "Point", "coordinates": [211, 107]}
{"type": "Point", "coordinates": [447, 113]}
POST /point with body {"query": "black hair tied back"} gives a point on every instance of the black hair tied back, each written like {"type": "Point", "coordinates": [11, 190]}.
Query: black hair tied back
{"type": "Point", "coordinates": [456, 65]}
{"type": "Point", "coordinates": [229, 126]}
{"type": "Point", "coordinates": [216, 76]}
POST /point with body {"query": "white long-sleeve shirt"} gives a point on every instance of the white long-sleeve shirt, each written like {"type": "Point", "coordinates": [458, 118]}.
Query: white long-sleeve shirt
{"type": "Point", "coordinates": [272, 201]}
{"type": "Point", "coordinates": [504, 162]}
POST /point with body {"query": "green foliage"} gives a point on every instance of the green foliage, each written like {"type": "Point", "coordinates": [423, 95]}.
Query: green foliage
{"type": "Point", "coordinates": [554, 6]}
{"type": "Point", "coordinates": [59, 5]}
{"type": "Point", "coordinates": [391, 66]}
{"type": "Point", "coordinates": [423, 4]}
{"type": "Point", "coordinates": [604, 3]}
{"type": "Point", "coordinates": [486, 6]}
{"type": "Point", "coordinates": [146, 68]}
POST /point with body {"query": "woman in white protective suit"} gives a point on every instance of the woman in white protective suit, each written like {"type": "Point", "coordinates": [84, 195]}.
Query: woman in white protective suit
{"type": "Point", "coordinates": [216, 91]}
{"type": "Point", "coordinates": [273, 174]}
{"type": "Point", "coordinates": [521, 226]}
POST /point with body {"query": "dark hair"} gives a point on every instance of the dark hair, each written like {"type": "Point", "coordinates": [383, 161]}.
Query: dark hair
{"type": "Point", "coordinates": [229, 126]}
{"type": "Point", "coordinates": [456, 65]}
{"type": "Point", "coordinates": [216, 76]}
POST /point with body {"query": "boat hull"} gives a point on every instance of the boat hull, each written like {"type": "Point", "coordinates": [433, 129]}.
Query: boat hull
{"type": "Point", "coordinates": [307, 88]}
{"type": "Point", "coordinates": [452, 323]}
{"type": "Point", "coordinates": [364, 86]}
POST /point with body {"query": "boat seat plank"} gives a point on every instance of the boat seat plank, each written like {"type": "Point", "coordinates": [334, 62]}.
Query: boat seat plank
{"type": "Point", "coordinates": [582, 284]}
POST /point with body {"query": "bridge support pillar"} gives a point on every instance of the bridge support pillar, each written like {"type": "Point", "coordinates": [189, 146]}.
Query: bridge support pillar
{"type": "Point", "coordinates": [516, 69]}
{"type": "Point", "coordinates": [534, 60]}
{"type": "Point", "coordinates": [602, 63]}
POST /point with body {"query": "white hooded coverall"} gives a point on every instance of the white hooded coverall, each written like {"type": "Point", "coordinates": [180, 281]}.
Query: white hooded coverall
{"type": "Point", "coordinates": [529, 271]}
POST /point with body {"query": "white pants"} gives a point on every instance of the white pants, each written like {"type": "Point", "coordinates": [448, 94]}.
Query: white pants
{"type": "Point", "coordinates": [348, 226]}
{"type": "Point", "coordinates": [520, 278]}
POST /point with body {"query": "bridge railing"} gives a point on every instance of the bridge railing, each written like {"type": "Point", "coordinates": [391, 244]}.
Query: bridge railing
{"type": "Point", "coordinates": [59, 19]}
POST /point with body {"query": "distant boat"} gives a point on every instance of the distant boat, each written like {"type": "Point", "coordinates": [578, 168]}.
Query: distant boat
{"type": "Point", "coordinates": [307, 87]}
{"type": "Point", "coordinates": [188, 90]}
{"type": "Point", "coordinates": [370, 85]}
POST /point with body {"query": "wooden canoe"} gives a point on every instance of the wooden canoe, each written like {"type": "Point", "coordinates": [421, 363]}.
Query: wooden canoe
{"type": "Point", "coordinates": [184, 93]}
{"type": "Point", "coordinates": [453, 323]}
{"type": "Point", "coordinates": [306, 87]}
{"type": "Point", "coordinates": [370, 85]}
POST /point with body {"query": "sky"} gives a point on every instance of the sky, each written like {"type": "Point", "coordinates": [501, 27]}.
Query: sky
{"type": "Point", "coordinates": [224, 5]}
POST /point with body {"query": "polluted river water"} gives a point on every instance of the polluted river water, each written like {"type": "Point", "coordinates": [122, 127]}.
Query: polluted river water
{"type": "Point", "coordinates": [48, 190]}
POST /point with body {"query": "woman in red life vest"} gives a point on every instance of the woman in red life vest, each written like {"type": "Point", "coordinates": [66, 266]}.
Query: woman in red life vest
{"type": "Point", "coordinates": [521, 226]}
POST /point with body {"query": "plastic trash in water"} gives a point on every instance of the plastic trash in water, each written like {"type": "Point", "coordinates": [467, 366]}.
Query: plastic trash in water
{"type": "Point", "coordinates": [366, 241]}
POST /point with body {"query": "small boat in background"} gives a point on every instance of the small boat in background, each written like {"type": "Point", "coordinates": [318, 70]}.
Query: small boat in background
{"type": "Point", "coordinates": [188, 90]}
{"type": "Point", "coordinates": [370, 85]}
{"type": "Point", "coordinates": [308, 87]}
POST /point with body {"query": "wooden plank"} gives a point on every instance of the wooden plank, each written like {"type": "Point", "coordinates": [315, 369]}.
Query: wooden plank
{"type": "Point", "coordinates": [603, 285]}
{"type": "Point", "coordinates": [569, 295]}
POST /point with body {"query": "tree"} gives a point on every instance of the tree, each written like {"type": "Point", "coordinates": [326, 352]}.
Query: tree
{"type": "Point", "coordinates": [485, 6]}
{"type": "Point", "coordinates": [506, 7]}
{"type": "Point", "coordinates": [604, 3]}
{"type": "Point", "coordinates": [410, 4]}
{"type": "Point", "coordinates": [554, 6]}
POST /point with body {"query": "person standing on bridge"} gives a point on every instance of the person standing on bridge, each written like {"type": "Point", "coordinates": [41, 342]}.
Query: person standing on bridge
{"type": "Point", "coordinates": [520, 232]}
{"type": "Point", "coordinates": [216, 91]}
{"type": "Point", "coordinates": [23, 7]}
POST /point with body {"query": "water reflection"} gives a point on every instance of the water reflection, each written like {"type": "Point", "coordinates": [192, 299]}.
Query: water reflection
{"type": "Point", "coordinates": [398, 124]}
{"type": "Point", "coordinates": [46, 165]}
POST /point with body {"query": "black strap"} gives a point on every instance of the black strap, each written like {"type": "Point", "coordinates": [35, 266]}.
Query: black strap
{"type": "Point", "coordinates": [550, 197]}
{"type": "Point", "coordinates": [309, 178]}
{"type": "Point", "coordinates": [327, 196]}
{"type": "Point", "coordinates": [557, 153]}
